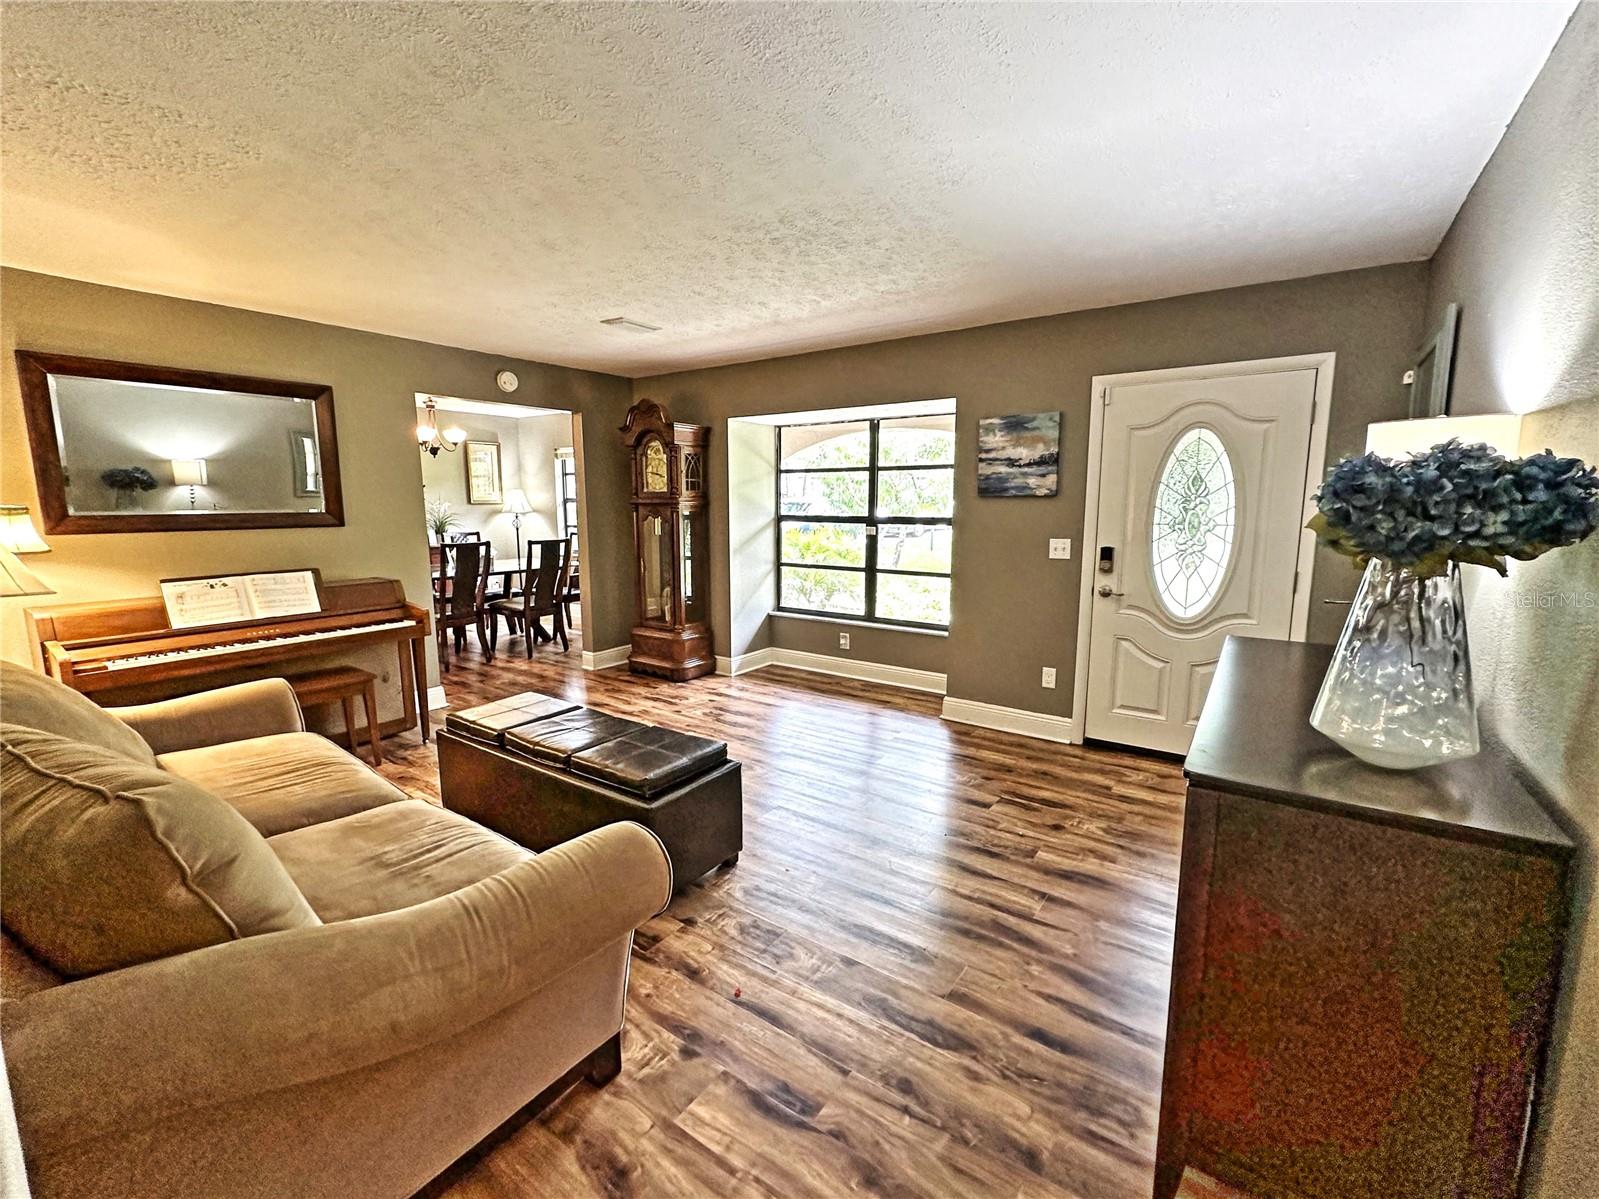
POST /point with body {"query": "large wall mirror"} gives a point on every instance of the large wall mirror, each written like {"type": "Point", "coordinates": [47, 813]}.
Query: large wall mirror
{"type": "Point", "coordinates": [123, 448]}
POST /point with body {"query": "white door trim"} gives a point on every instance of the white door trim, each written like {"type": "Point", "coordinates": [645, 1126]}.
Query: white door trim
{"type": "Point", "coordinates": [1322, 364]}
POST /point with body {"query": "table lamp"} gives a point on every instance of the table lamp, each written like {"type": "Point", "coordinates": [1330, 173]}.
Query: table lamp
{"type": "Point", "coordinates": [17, 579]}
{"type": "Point", "coordinates": [17, 533]}
{"type": "Point", "coordinates": [1395, 438]}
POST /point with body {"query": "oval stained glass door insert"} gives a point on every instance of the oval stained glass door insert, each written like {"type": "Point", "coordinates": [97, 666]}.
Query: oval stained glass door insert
{"type": "Point", "coordinates": [1191, 529]}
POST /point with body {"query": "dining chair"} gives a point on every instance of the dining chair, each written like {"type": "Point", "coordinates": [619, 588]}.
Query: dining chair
{"type": "Point", "coordinates": [462, 603]}
{"type": "Point", "coordinates": [541, 597]}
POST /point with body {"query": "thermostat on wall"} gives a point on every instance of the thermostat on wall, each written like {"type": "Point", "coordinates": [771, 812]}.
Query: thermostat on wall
{"type": "Point", "coordinates": [507, 380]}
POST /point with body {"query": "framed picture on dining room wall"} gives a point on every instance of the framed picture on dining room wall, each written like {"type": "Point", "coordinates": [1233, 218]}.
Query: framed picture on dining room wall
{"type": "Point", "coordinates": [483, 473]}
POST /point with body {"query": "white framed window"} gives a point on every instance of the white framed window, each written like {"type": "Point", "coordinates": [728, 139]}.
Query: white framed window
{"type": "Point", "coordinates": [565, 492]}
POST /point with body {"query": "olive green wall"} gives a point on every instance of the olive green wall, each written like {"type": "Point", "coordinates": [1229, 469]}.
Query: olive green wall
{"type": "Point", "coordinates": [1014, 610]}
{"type": "Point", "coordinates": [1522, 261]}
{"type": "Point", "coordinates": [374, 379]}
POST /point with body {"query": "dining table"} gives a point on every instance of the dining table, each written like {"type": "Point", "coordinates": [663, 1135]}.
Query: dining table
{"type": "Point", "coordinates": [500, 568]}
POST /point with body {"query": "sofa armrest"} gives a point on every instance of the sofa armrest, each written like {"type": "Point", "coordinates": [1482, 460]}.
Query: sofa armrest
{"type": "Point", "coordinates": [130, 1048]}
{"type": "Point", "coordinates": [236, 713]}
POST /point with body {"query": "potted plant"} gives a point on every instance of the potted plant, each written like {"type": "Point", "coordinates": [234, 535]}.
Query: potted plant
{"type": "Point", "coordinates": [440, 520]}
{"type": "Point", "coordinates": [1398, 693]}
{"type": "Point", "coordinates": [127, 482]}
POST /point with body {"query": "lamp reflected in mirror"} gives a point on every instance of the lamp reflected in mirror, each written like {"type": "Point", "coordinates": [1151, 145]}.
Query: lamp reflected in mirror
{"type": "Point", "coordinates": [190, 473]}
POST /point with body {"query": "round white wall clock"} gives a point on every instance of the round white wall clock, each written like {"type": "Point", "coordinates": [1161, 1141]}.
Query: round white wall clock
{"type": "Point", "coordinates": [507, 381]}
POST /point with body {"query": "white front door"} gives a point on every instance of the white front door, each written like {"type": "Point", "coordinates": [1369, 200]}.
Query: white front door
{"type": "Point", "coordinates": [1201, 504]}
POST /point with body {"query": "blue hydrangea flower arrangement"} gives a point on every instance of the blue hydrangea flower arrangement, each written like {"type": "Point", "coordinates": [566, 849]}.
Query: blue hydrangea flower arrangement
{"type": "Point", "coordinates": [1455, 503]}
{"type": "Point", "coordinates": [128, 478]}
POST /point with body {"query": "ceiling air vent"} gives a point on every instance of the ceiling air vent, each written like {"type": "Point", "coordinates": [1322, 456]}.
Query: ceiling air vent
{"type": "Point", "coordinates": [632, 326]}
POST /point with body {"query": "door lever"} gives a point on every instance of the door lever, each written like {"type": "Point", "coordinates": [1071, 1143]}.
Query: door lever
{"type": "Point", "coordinates": [1104, 590]}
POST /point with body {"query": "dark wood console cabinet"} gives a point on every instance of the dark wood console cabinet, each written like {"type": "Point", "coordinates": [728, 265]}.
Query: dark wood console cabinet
{"type": "Point", "coordinates": [1365, 962]}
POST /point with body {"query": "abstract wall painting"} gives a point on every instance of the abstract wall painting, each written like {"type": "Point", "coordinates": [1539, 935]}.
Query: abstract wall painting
{"type": "Point", "coordinates": [1019, 455]}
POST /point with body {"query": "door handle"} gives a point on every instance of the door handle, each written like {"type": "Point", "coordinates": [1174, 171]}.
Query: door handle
{"type": "Point", "coordinates": [1104, 590]}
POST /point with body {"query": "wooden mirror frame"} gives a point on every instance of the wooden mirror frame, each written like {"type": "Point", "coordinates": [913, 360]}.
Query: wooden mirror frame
{"type": "Point", "coordinates": [33, 379]}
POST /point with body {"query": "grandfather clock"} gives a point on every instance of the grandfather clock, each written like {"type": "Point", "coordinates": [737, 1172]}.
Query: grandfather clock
{"type": "Point", "coordinates": [672, 638]}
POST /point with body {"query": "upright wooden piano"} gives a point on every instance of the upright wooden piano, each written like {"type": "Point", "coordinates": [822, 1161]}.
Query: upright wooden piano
{"type": "Point", "coordinates": [124, 651]}
{"type": "Point", "coordinates": [1365, 963]}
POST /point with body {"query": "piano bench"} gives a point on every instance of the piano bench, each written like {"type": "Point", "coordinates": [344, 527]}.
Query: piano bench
{"type": "Point", "coordinates": [342, 684]}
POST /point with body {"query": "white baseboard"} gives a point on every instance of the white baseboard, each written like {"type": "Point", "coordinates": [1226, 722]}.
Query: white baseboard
{"type": "Point", "coordinates": [1011, 720]}
{"type": "Point", "coordinates": [852, 668]}
{"type": "Point", "coordinates": [606, 658]}
{"type": "Point", "coordinates": [437, 699]}
{"type": "Point", "coordinates": [744, 663]}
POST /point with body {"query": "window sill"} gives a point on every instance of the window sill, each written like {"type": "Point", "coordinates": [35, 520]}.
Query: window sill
{"type": "Point", "coordinates": [861, 624]}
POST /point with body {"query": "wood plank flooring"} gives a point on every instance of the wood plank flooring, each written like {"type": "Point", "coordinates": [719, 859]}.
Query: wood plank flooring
{"type": "Point", "coordinates": [939, 968]}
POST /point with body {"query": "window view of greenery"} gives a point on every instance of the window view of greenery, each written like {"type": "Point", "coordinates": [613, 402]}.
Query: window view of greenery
{"type": "Point", "coordinates": [866, 518]}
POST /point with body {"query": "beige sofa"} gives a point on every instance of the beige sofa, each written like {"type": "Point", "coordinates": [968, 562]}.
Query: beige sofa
{"type": "Point", "coordinates": [337, 995]}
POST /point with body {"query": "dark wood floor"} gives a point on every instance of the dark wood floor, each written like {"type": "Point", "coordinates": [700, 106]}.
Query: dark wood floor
{"type": "Point", "coordinates": [939, 969]}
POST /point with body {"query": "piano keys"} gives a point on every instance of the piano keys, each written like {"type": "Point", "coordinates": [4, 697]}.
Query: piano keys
{"type": "Point", "coordinates": [128, 647]}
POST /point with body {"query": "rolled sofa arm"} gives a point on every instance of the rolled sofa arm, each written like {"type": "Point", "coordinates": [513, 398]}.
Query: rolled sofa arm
{"type": "Point", "coordinates": [127, 1049]}
{"type": "Point", "coordinates": [236, 713]}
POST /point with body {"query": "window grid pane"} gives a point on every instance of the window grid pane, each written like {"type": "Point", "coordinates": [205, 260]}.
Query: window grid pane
{"type": "Point", "coordinates": [916, 441]}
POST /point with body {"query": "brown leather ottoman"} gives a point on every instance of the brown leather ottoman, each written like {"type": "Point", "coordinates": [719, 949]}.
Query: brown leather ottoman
{"type": "Point", "coordinates": [556, 773]}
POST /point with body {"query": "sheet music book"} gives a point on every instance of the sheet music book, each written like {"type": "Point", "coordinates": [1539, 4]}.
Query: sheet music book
{"type": "Point", "coordinates": [229, 599]}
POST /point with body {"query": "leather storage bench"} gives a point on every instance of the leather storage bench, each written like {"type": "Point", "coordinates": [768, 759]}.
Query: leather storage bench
{"type": "Point", "coordinates": [541, 771]}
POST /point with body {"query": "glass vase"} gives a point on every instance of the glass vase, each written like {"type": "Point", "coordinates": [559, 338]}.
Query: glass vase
{"type": "Point", "coordinates": [1398, 692]}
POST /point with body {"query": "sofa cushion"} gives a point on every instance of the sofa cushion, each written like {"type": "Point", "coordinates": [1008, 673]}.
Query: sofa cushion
{"type": "Point", "coordinates": [22, 974]}
{"type": "Point", "coordinates": [285, 781]}
{"type": "Point", "coordinates": [109, 863]}
{"type": "Point", "coordinates": [35, 701]}
{"type": "Point", "coordinates": [390, 857]}
{"type": "Point", "coordinates": [650, 760]}
{"type": "Point", "coordinates": [555, 740]}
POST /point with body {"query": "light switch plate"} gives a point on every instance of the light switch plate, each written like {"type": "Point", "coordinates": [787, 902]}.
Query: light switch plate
{"type": "Point", "coordinates": [1049, 677]}
{"type": "Point", "coordinates": [1060, 547]}
{"type": "Point", "coordinates": [843, 641]}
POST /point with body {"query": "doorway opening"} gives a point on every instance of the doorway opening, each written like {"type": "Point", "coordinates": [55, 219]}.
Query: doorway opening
{"type": "Point", "coordinates": [507, 477]}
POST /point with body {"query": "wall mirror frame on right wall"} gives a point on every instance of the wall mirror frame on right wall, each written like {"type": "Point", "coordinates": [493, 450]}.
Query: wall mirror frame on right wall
{"type": "Point", "coordinates": [120, 447]}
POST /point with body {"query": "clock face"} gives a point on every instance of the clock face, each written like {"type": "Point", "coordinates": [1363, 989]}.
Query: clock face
{"type": "Point", "coordinates": [507, 380]}
{"type": "Point", "coordinates": [654, 467]}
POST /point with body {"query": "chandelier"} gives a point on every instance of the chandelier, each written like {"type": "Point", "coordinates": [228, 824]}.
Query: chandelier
{"type": "Point", "coordinates": [430, 438]}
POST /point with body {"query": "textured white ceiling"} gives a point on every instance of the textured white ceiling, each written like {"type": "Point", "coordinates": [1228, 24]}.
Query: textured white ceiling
{"type": "Point", "coordinates": [757, 179]}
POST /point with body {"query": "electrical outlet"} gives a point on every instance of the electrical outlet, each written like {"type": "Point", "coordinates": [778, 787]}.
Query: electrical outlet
{"type": "Point", "coordinates": [843, 641]}
{"type": "Point", "coordinates": [1060, 547]}
{"type": "Point", "coordinates": [1049, 677]}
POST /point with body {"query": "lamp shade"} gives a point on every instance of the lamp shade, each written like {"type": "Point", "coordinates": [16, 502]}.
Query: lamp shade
{"type": "Point", "coordinates": [17, 533]}
{"type": "Point", "coordinates": [188, 472]}
{"type": "Point", "coordinates": [1396, 438]}
{"type": "Point", "coordinates": [17, 579]}
{"type": "Point", "coordinates": [516, 502]}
